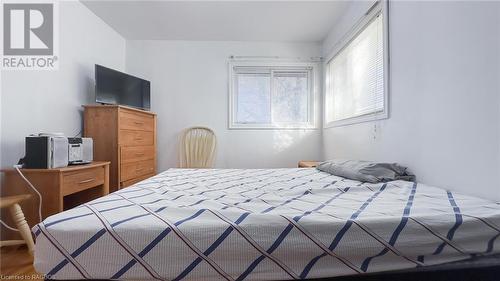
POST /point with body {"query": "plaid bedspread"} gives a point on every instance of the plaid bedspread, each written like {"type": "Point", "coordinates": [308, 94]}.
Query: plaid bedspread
{"type": "Point", "coordinates": [263, 224]}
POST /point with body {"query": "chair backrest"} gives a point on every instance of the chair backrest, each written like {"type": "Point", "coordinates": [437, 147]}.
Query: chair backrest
{"type": "Point", "coordinates": [197, 148]}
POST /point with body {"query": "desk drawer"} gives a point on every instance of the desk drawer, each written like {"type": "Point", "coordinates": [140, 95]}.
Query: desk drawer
{"type": "Point", "coordinates": [136, 153]}
{"type": "Point", "coordinates": [136, 169]}
{"type": "Point", "coordinates": [136, 138]}
{"type": "Point", "coordinates": [136, 121]}
{"type": "Point", "coordinates": [80, 180]}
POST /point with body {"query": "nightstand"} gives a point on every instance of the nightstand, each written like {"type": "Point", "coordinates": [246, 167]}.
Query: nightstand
{"type": "Point", "coordinates": [61, 188]}
{"type": "Point", "coordinates": [308, 164]}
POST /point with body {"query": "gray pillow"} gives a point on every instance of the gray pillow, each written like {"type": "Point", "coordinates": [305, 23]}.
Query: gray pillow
{"type": "Point", "coordinates": [366, 171]}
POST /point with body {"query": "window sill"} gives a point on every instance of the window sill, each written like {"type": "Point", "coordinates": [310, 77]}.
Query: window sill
{"type": "Point", "coordinates": [358, 119]}
{"type": "Point", "coordinates": [271, 127]}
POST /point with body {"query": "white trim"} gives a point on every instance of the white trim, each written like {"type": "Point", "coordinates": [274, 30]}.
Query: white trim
{"type": "Point", "coordinates": [313, 87]}
{"type": "Point", "coordinates": [379, 7]}
{"type": "Point", "coordinates": [275, 59]}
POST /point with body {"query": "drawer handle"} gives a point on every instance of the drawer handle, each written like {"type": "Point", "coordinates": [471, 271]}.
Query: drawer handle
{"type": "Point", "coordinates": [138, 139]}
{"type": "Point", "coordinates": [138, 123]}
{"type": "Point", "coordinates": [139, 154]}
{"type": "Point", "coordinates": [86, 181]}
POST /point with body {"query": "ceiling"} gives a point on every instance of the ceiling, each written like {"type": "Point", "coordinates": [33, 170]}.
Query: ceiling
{"type": "Point", "coordinates": [290, 21]}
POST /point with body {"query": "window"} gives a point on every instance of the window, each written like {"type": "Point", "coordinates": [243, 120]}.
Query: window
{"type": "Point", "coordinates": [356, 75]}
{"type": "Point", "coordinates": [271, 96]}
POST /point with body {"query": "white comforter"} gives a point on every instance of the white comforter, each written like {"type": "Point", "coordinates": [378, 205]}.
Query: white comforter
{"type": "Point", "coordinates": [262, 224]}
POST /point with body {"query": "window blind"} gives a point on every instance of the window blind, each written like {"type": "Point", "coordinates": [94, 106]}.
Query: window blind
{"type": "Point", "coordinates": [355, 76]}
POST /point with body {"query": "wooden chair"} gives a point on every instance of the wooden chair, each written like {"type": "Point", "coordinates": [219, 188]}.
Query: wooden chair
{"type": "Point", "coordinates": [12, 202]}
{"type": "Point", "coordinates": [197, 149]}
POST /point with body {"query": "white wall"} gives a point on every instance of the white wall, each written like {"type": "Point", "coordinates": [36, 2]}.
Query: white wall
{"type": "Point", "coordinates": [444, 104]}
{"type": "Point", "coordinates": [50, 101]}
{"type": "Point", "coordinates": [445, 95]}
{"type": "Point", "coordinates": [189, 81]}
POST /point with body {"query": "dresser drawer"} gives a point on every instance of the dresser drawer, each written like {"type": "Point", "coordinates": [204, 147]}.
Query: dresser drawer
{"type": "Point", "coordinates": [75, 181]}
{"type": "Point", "coordinates": [135, 180]}
{"type": "Point", "coordinates": [136, 169]}
{"type": "Point", "coordinates": [136, 153]}
{"type": "Point", "coordinates": [136, 121]}
{"type": "Point", "coordinates": [136, 138]}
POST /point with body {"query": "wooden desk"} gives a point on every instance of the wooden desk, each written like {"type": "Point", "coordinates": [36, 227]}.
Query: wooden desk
{"type": "Point", "coordinates": [308, 164]}
{"type": "Point", "coordinates": [61, 189]}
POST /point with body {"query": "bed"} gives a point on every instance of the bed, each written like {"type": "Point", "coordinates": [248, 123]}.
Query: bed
{"type": "Point", "coordinates": [263, 224]}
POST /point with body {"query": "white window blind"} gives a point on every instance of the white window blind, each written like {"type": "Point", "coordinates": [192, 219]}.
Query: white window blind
{"type": "Point", "coordinates": [355, 76]}
{"type": "Point", "coordinates": [271, 97]}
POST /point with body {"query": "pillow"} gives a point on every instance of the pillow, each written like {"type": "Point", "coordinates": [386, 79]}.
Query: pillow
{"type": "Point", "coordinates": [366, 171]}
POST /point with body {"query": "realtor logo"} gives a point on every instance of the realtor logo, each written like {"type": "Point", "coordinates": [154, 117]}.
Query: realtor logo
{"type": "Point", "coordinates": [29, 35]}
{"type": "Point", "coordinates": [28, 29]}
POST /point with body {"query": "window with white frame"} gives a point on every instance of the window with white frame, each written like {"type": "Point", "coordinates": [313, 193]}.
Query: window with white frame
{"type": "Point", "coordinates": [356, 75]}
{"type": "Point", "coordinates": [271, 96]}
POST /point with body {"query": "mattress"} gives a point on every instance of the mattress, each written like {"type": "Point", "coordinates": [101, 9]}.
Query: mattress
{"type": "Point", "coordinates": [263, 224]}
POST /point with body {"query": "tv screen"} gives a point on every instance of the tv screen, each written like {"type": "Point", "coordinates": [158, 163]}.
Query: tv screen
{"type": "Point", "coordinates": [115, 87]}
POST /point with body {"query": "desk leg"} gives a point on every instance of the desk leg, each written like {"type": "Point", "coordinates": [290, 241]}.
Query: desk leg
{"type": "Point", "coordinates": [105, 186]}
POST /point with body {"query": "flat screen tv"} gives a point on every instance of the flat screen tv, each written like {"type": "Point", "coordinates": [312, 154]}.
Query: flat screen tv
{"type": "Point", "coordinates": [115, 87]}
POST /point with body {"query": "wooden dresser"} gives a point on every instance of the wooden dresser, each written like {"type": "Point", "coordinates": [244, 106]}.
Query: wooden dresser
{"type": "Point", "coordinates": [124, 136]}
